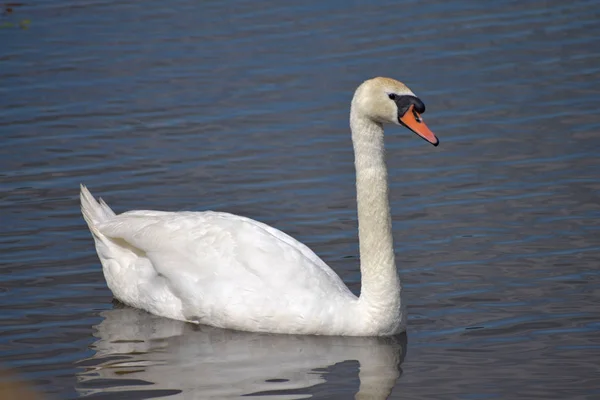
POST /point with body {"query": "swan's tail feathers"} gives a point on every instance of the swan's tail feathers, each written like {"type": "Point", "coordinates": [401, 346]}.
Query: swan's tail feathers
{"type": "Point", "coordinates": [93, 211]}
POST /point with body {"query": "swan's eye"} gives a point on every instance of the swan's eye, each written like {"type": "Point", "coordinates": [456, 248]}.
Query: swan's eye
{"type": "Point", "coordinates": [417, 116]}
{"type": "Point", "coordinates": [392, 96]}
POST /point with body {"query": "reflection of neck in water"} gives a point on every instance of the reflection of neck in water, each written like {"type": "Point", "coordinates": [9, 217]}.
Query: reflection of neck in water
{"type": "Point", "coordinates": [136, 351]}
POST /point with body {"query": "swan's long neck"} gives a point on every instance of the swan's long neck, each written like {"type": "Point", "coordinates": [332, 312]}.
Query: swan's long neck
{"type": "Point", "coordinates": [381, 289]}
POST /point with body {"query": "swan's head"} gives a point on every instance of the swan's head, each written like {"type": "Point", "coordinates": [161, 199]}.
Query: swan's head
{"type": "Point", "coordinates": [385, 100]}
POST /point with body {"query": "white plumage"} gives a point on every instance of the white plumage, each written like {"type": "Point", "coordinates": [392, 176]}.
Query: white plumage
{"type": "Point", "coordinates": [233, 272]}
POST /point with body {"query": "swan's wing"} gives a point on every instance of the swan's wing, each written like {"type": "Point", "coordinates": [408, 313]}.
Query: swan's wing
{"type": "Point", "coordinates": [222, 261]}
{"type": "Point", "coordinates": [207, 233]}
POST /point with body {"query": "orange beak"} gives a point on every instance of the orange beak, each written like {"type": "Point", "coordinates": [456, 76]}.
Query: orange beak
{"type": "Point", "coordinates": [413, 121]}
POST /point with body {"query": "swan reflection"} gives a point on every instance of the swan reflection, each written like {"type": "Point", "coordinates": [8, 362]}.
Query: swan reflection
{"type": "Point", "coordinates": [136, 351]}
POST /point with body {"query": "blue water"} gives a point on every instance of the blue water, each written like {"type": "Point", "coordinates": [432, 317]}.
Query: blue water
{"type": "Point", "coordinates": [243, 107]}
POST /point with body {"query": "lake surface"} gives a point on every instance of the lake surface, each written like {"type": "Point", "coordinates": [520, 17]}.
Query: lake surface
{"type": "Point", "coordinates": [243, 107]}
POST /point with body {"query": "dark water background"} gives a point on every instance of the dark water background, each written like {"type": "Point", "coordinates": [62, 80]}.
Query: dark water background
{"type": "Point", "coordinates": [243, 107]}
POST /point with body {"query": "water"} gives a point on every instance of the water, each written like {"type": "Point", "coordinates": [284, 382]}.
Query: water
{"type": "Point", "coordinates": [243, 107]}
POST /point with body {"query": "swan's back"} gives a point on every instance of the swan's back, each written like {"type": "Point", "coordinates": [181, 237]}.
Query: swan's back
{"type": "Point", "coordinates": [216, 268]}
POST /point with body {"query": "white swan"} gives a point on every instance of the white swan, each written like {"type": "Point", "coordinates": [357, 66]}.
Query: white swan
{"type": "Point", "coordinates": [232, 272]}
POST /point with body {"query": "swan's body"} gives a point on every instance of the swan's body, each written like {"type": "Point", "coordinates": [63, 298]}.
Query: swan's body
{"type": "Point", "coordinates": [233, 272]}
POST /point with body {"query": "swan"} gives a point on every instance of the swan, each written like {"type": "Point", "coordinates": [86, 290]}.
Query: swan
{"type": "Point", "coordinates": [233, 272]}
